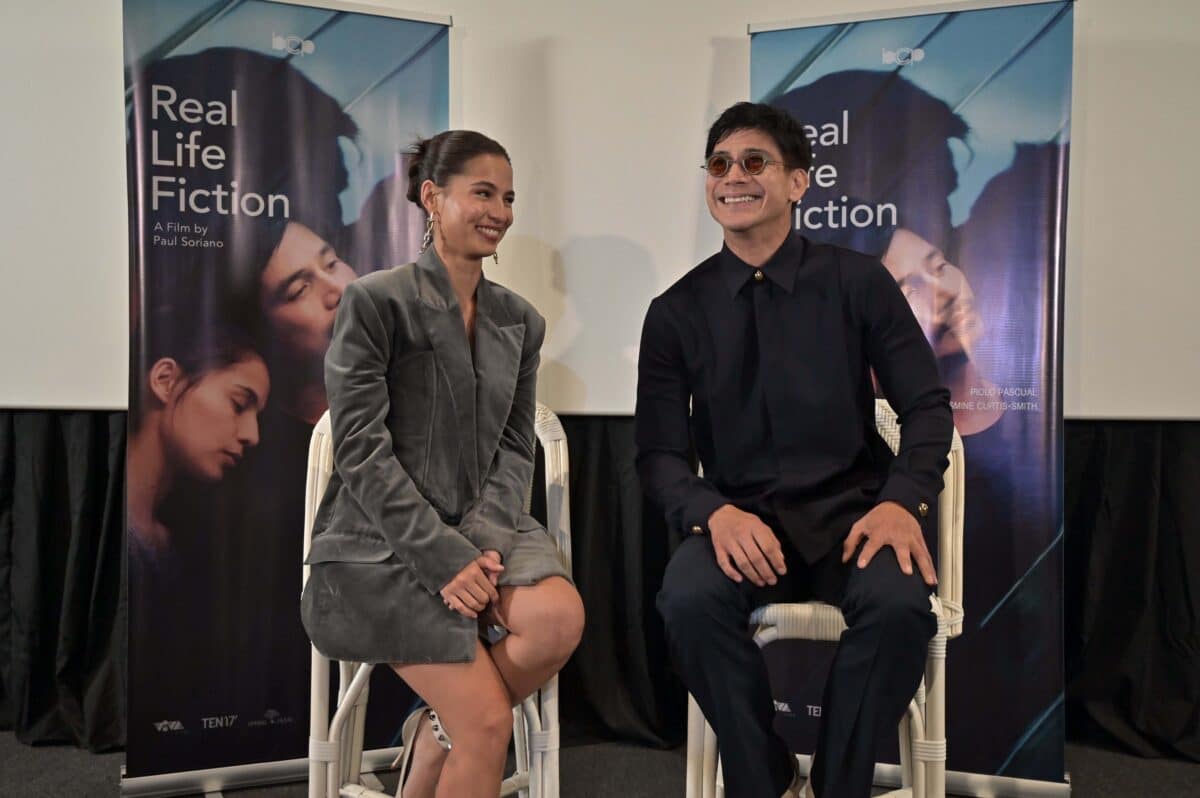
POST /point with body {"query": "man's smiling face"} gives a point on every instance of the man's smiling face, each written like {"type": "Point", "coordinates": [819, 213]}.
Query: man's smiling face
{"type": "Point", "coordinates": [741, 202]}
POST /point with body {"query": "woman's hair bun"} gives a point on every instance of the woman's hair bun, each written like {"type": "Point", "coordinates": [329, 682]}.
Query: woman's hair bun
{"type": "Point", "coordinates": [445, 155]}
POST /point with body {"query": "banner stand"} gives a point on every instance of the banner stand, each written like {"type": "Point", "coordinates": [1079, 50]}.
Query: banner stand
{"type": "Point", "coordinates": [940, 138]}
{"type": "Point", "coordinates": [210, 782]}
{"type": "Point", "coordinates": [973, 784]}
{"type": "Point", "coordinates": [245, 227]}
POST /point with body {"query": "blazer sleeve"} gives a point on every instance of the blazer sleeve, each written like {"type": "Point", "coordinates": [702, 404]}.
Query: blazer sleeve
{"type": "Point", "coordinates": [356, 381]}
{"type": "Point", "coordinates": [491, 521]}
{"type": "Point", "coordinates": [661, 424]}
{"type": "Point", "coordinates": [908, 373]}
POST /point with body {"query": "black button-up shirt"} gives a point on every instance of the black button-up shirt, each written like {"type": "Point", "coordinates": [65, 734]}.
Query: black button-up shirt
{"type": "Point", "coordinates": [769, 377]}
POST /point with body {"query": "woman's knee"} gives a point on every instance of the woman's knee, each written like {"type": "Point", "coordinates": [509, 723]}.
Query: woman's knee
{"type": "Point", "coordinates": [556, 623]}
{"type": "Point", "coordinates": [567, 620]}
{"type": "Point", "coordinates": [486, 725]}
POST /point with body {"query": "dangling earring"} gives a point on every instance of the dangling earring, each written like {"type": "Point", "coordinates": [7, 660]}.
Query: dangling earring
{"type": "Point", "coordinates": [428, 239]}
{"type": "Point", "coordinates": [496, 257]}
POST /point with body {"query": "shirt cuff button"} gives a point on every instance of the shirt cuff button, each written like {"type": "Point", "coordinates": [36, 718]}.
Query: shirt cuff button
{"type": "Point", "coordinates": [923, 509]}
{"type": "Point", "coordinates": [697, 530]}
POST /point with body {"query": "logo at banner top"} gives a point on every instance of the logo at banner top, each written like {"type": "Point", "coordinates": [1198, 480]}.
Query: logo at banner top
{"type": "Point", "coordinates": [293, 44]}
{"type": "Point", "coordinates": [903, 55]}
{"type": "Point", "coordinates": [168, 726]}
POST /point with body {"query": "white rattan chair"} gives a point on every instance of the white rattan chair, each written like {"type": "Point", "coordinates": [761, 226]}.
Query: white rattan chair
{"type": "Point", "coordinates": [335, 747]}
{"type": "Point", "coordinates": [923, 729]}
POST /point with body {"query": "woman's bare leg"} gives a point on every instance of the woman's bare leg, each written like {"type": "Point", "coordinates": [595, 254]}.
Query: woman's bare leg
{"type": "Point", "coordinates": [473, 703]}
{"type": "Point", "coordinates": [544, 623]}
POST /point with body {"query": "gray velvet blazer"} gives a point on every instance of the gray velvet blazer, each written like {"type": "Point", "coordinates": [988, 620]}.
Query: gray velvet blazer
{"type": "Point", "coordinates": [433, 452]}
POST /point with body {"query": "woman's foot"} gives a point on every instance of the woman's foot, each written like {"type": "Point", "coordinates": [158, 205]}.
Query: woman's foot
{"type": "Point", "coordinates": [425, 748]}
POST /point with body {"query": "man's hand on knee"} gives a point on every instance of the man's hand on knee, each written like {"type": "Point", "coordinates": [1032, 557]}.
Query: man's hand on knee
{"type": "Point", "coordinates": [745, 546]}
{"type": "Point", "coordinates": [889, 524]}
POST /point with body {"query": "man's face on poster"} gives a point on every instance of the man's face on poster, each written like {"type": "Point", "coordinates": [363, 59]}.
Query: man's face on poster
{"type": "Point", "coordinates": [937, 292]}
{"type": "Point", "coordinates": [301, 287]}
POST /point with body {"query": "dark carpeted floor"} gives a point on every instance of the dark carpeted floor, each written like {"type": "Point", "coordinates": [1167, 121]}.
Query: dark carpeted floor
{"type": "Point", "coordinates": [608, 770]}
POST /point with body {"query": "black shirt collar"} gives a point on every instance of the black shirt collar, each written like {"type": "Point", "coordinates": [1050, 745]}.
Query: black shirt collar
{"type": "Point", "coordinates": [780, 268]}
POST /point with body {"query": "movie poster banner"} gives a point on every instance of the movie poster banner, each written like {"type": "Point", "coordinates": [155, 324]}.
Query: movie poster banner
{"type": "Point", "coordinates": [940, 144]}
{"type": "Point", "coordinates": [266, 170]}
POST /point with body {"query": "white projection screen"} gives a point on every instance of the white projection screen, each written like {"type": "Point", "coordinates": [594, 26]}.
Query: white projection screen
{"type": "Point", "coordinates": [603, 107]}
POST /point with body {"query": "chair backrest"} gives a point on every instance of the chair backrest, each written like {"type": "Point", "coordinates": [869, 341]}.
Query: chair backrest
{"type": "Point", "coordinates": [553, 439]}
{"type": "Point", "coordinates": [950, 511]}
{"type": "Point", "coordinates": [549, 434]}
{"type": "Point", "coordinates": [320, 467]}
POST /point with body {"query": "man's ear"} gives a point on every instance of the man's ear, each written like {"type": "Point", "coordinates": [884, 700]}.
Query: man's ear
{"type": "Point", "coordinates": [164, 378]}
{"type": "Point", "coordinates": [799, 185]}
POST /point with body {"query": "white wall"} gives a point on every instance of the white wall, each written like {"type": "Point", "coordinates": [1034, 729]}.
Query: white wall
{"type": "Point", "coordinates": [604, 107]}
{"type": "Point", "coordinates": [64, 296]}
{"type": "Point", "coordinates": [1133, 239]}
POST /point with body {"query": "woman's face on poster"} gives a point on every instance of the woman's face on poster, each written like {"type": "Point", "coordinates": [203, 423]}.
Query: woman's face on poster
{"type": "Point", "coordinates": [301, 287]}
{"type": "Point", "coordinates": [210, 422]}
{"type": "Point", "coordinates": [937, 292]}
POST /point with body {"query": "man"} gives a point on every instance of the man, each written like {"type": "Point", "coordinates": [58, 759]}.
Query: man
{"type": "Point", "coordinates": [771, 343]}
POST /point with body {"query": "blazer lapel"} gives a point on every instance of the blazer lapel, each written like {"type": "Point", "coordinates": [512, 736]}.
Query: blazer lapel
{"type": "Point", "coordinates": [498, 344]}
{"type": "Point", "coordinates": [442, 319]}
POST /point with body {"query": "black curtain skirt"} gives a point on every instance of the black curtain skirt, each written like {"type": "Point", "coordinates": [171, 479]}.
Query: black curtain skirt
{"type": "Point", "coordinates": [62, 599]}
{"type": "Point", "coordinates": [1132, 584]}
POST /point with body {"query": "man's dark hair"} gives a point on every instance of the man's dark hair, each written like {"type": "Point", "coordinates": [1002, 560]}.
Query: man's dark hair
{"type": "Point", "coordinates": [787, 133]}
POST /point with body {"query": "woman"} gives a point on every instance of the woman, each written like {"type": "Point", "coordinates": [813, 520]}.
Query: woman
{"type": "Point", "coordinates": [420, 540]}
{"type": "Point", "coordinates": [195, 415]}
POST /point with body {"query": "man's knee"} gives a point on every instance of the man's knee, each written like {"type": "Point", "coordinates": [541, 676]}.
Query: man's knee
{"type": "Point", "coordinates": [884, 594]}
{"type": "Point", "coordinates": [695, 594]}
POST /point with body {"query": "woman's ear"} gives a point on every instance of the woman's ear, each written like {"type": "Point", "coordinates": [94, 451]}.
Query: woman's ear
{"type": "Point", "coordinates": [163, 379]}
{"type": "Point", "coordinates": [431, 198]}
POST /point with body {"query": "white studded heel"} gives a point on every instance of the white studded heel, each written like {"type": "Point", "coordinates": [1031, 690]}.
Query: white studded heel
{"type": "Point", "coordinates": [408, 738]}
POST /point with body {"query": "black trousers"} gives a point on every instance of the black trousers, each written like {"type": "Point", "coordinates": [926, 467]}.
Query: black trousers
{"type": "Point", "coordinates": [879, 662]}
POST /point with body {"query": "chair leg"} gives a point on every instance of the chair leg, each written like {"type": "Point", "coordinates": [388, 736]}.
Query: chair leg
{"type": "Point", "coordinates": [339, 727]}
{"type": "Point", "coordinates": [915, 720]}
{"type": "Point", "coordinates": [906, 751]}
{"type": "Point", "coordinates": [695, 745]}
{"type": "Point", "coordinates": [521, 744]}
{"type": "Point", "coordinates": [935, 715]}
{"type": "Point", "coordinates": [712, 762]}
{"type": "Point", "coordinates": [547, 756]}
{"type": "Point", "coordinates": [346, 673]}
{"type": "Point", "coordinates": [318, 725]}
{"type": "Point", "coordinates": [358, 731]}
{"type": "Point", "coordinates": [701, 774]}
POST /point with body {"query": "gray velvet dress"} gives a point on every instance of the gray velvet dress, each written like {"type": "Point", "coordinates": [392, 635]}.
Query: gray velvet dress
{"type": "Point", "coordinates": [433, 454]}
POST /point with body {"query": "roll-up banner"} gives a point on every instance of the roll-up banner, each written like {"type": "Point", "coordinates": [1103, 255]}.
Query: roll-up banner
{"type": "Point", "coordinates": [940, 143]}
{"type": "Point", "coordinates": [266, 170]}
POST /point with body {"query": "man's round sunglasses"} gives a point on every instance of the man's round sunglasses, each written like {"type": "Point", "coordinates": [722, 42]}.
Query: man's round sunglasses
{"type": "Point", "coordinates": [753, 163]}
